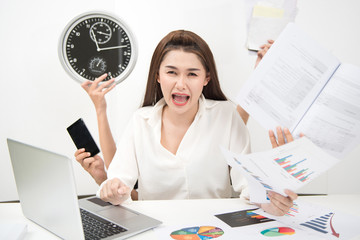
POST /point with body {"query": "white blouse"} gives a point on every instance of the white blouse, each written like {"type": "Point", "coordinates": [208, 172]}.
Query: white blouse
{"type": "Point", "coordinates": [198, 170]}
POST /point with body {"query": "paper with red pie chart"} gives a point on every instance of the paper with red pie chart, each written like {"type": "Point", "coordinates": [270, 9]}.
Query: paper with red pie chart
{"type": "Point", "coordinates": [197, 233]}
{"type": "Point", "coordinates": [317, 220]}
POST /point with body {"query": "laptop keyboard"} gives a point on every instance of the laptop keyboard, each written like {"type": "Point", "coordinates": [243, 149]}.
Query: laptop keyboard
{"type": "Point", "coordinates": [98, 228]}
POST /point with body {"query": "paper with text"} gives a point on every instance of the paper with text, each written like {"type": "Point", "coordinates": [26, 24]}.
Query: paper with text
{"type": "Point", "coordinates": [333, 121]}
{"type": "Point", "coordinates": [301, 86]}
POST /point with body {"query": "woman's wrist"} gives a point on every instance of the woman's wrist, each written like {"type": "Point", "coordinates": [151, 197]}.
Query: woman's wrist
{"type": "Point", "coordinates": [101, 112]}
{"type": "Point", "coordinates": [101, 178]}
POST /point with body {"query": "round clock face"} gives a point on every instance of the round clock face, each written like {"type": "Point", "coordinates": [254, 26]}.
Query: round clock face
{"type": "Point", "coordinates": [96, 43]}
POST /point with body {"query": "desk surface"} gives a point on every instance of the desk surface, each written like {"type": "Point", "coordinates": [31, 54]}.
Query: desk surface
{"type": "Point", "coordinates": [178, 212]}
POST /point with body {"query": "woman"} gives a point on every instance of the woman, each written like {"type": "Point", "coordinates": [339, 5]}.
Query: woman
{"type": "Point", "coordinates": [182, 91]}
{"type": "Point", "coordinates": [95, 165]}
{"type": "Point", "coordinates": [172, 143]}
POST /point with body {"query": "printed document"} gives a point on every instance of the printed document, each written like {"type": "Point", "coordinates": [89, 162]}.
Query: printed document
{"type": "Point", "coordinates": [301, 86]}
{"type": "Point", "coordinates": [289, 166]}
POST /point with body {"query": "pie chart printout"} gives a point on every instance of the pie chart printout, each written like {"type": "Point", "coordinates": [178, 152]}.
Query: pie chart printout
{"type": "Point", "coordinates": [197, 233]}
{"type": "Point", "coordinates": [278, 231]}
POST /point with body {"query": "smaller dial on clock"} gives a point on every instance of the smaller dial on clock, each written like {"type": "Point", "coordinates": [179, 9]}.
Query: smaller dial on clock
{"type": "Point", "coordinates": [100, 32]}
{"type": "Point", "coordinates": [97, 66]}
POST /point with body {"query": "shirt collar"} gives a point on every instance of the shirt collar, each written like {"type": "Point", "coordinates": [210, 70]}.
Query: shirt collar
{"type": "Point", "coordinates": [155, 114]}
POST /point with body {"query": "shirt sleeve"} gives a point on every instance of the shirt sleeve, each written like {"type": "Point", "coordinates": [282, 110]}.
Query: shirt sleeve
{"type": "Point", "coordinates": [124, 164]}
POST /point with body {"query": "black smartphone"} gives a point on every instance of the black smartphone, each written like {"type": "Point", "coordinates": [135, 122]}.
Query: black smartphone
{"type": "Point", "coordinates": [82, 138]}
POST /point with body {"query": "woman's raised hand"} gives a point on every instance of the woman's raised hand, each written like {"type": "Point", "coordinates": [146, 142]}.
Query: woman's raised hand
{"type": "Point", "coordinates": [263, 50]}
{"type": "Point", "coordinates": [97, 91]}
{"type": "Point", "coordinates": [283, 136]}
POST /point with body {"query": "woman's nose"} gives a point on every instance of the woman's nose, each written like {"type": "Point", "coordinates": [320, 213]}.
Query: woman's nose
{"type": "Point", "coordinates": [181, 82]}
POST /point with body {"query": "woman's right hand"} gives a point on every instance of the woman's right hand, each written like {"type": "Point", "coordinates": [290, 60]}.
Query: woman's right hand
{"type": "Point", "coordinates": [114, 191]}
{"type": "Point", "coordinates": [97, 91]}
{"type": "Point", "coordinates": [93, 165]}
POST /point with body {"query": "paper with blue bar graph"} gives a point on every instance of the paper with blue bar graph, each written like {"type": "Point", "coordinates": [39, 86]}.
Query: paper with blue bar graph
{"type": "Point", "coordinates": [290, 166]}
{"type": "Point", "coordinates": [320, 221]}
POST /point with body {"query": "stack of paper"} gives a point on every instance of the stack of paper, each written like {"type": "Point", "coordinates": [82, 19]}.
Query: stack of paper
{"type": "Point", "coordinates": [302, 86]}
{"type": "Point", "coordinates": [267, 20]}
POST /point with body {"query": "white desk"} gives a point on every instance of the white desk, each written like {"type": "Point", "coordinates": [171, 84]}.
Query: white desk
{"type": "Point", "coordinates": [177, 212]}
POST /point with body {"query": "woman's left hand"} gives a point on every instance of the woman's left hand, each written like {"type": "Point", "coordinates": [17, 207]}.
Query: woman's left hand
{"type": "Point", "coordinates": [279, 204]}
{"type": "Point", "coordinates": [283, 137]}
{"type": "Point", "coordinates": [97, 91]}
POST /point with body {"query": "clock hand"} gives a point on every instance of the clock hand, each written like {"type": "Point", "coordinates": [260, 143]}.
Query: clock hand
{"type": "Point", "coordinates": [108, 34]}
{"type": "Point", "coordinates": [109, 48]}
{"type": "Point", "coordinates": [94, 36]}
{"type": "Point", "coordinates": [99, 62]}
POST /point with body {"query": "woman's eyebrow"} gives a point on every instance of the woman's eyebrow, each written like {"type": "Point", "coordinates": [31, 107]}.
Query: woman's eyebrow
{"type": "Point", "coordinates": [193, 69]}
{"type": "Point", "coordinates": [170, 66]}
{"type": "Point", "coordinates": [189, 69]}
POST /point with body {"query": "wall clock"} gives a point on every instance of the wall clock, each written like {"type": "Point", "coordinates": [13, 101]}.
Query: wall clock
{"type": "Point", "coordinates": [95, 43]}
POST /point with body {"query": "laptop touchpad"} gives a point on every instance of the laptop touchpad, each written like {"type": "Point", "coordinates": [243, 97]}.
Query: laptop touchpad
{"type": "Point", "coordinates": [116, 214]}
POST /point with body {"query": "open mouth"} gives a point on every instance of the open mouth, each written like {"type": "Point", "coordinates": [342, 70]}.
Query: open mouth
{"type": "Point", "coordinates": [180, 99]}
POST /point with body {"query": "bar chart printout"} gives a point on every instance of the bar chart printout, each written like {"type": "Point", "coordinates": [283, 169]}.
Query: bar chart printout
{"type": "Point", "coordinates": [318, 224]}
{"type": "Point", "coordinates": [293, 210]}
{"type": "Point", "coordinates": [265, 185]}
{"type": "Point", "coordinates": [319, 221]}
{"type": "Point", "coordinates": [321, 224]}
{"type": "Point", "coordinates": [295, 168]}
{"type": "Point", "coordinates": [290, 166]}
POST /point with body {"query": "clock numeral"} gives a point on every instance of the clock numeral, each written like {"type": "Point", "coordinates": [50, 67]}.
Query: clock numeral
{"type": "Point", "coordinates": [125, 53]}
{"type": "Point", "coordinates": [75, 60]}
{"type": "Point", "coordinates": [77, 34]}
{"type": "Point", "coordinates": [88, 25]}
{"type": "Point", "coordinates": [72, 46]}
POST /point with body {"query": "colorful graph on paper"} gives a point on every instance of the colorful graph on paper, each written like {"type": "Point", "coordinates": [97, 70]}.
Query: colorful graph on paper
{"type": "Point", "coordinates": [322, 224]}
{"type": "Point", "coordinates": [278, 232]}
{"type": "Point", "coordinates": [197, 233]}
{"type": "Point", "coordinates": [297, 169]}
{"type": "Point", "coordinates": [318, 220]}
{"type": "Point", "coordinates": [290, 166]}
{"type": "Point", "coordinates": [242, 218]}
{"type": "Point", "coordinates": [265, 185]}
{"type": "Point", "coordinates": [293, 211]}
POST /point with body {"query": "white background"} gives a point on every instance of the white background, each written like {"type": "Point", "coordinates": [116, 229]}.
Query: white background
{"type": "Point", "coordinates": [38, 100]}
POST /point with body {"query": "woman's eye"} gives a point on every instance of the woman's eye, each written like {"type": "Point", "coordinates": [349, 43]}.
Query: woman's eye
{"type": "Point", "coordinates": [171, 72]}
{"type": "Point", "coordinates": [193, 74]}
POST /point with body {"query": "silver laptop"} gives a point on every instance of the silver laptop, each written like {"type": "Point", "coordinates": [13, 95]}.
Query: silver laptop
{"type": "Point", "coordinates": [47, 193]}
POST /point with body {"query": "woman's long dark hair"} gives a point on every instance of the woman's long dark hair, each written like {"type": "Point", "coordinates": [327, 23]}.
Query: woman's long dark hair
{"type": "Point", "coordinates": [188, 42]}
